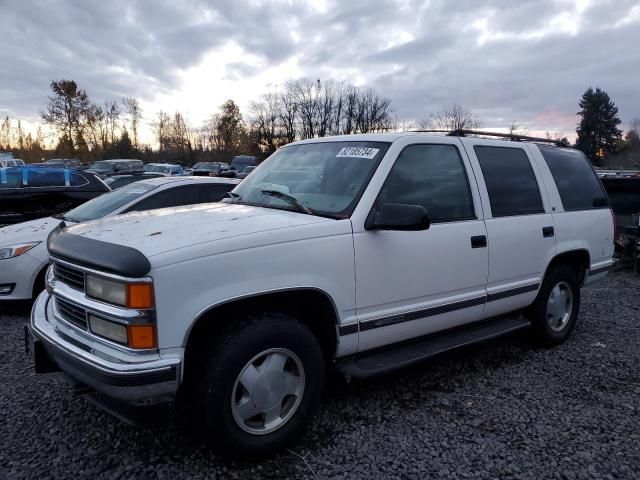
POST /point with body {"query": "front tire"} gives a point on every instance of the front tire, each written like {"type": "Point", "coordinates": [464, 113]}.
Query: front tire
{"type": "Point", "coordinates": [260, 385]}
{"type": "Point", "coordinates": [553, 314]}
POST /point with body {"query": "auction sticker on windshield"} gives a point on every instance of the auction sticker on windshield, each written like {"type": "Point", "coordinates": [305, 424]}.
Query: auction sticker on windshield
{"type": "Point", "coordinates": [358, 152]}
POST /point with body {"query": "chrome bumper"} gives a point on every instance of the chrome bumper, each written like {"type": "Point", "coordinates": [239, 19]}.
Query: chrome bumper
{"type": "Point", "coordinates": [149, 380]}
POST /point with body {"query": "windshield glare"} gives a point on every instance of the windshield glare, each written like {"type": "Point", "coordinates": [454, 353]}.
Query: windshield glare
{"type": "Point", "coordinates": [107, 203]}
{"type": "Point", "coordinates": [328, 178]}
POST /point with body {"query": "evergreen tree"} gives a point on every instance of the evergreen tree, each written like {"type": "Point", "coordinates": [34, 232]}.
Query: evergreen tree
{"type": "Point", "coordinates": [598, 128]}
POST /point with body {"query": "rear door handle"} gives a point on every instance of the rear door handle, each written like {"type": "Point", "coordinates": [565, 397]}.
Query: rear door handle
{"type": "Point", "coordinates": [547, 231]}
{"type": "Point", "coordinates": [478, 241]}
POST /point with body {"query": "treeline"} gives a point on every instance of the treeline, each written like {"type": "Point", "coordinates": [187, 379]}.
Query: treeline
{"type": "Point", "coordinates": [299, 109]}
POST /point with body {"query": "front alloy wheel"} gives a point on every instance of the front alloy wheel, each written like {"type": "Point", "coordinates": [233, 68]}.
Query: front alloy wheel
{"type": "Point", "coordinates": [268, 391]}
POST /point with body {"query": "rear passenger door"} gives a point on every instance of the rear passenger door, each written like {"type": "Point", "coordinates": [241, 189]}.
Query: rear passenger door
{"type": "Point", "coordinates": [520, 228]}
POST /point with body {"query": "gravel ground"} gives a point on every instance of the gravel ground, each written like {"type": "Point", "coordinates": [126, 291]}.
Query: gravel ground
{"type": "Point", "coordinates": [498, 410]}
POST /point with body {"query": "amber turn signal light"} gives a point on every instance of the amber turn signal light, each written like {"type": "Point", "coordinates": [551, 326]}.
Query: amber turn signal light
{"type": "Point", "coordinates": [140, 295]}
{"type": "Point", "coordinates": [142, 336]}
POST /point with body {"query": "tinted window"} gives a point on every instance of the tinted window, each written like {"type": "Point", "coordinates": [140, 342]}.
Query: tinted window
{"type": "Point", "coordinates": [10, 178]}
{"type": "Point", "coordinates": [108, 203]}
{"type": "Point", "coordinates": [577, 183]}
{"type": "Point", "coordinates": [434, 177]}
{"type": "Point", "coordinates": [44, 177]}
{"type": "Point", "coordinates": [78, 180]}
{"type": "Point", "coordinates": [172, 197]}
{"type": "Point", "coordinates": [511, 183]}
{"type": "Point", "coordinates": [214, 192]}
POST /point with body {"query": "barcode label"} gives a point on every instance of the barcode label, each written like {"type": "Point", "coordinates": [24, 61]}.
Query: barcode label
{"type": "Point", "coordinates": [358, 152]}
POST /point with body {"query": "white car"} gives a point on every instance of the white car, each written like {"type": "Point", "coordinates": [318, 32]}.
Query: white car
{"type": "Point", "coordinates": [382, 250]}
{"type": "Point", "coordinates": [23, 252]}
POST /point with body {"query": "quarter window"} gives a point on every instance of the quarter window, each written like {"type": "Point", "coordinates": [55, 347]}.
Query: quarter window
{"type": "Point", "coordinates": [511, 183]}
{"type": "Point", "coordinates": [434, 177]}
{"type": "Point", "coordinates": [578, 185]}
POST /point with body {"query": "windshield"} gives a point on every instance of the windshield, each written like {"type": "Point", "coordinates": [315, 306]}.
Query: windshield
{"type": "Point", "coordinates": [101, 166]}
{"type": "Point", "coordinates": [107, 203]}
{"type": "Point", "coordinates": [326, 178]}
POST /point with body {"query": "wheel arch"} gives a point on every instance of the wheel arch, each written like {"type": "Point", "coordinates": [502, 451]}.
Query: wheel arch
{"type": "Point", "coordinates": [312, 306]}
{"type": "Point", "coordinates": [578, 259]}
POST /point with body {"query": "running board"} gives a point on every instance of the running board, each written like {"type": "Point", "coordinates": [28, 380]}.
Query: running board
{"type": "Point", "coordinates": [386, 359]}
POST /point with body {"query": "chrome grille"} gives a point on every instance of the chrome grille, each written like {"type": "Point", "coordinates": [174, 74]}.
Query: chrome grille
{"type": "Point", "coordinates": [72, 313]}
{"type": "Point", "coordinates": [69, 275]}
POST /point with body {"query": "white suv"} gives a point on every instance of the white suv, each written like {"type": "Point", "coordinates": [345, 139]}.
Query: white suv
{"type": "Point", "coordinates": [363, 252]}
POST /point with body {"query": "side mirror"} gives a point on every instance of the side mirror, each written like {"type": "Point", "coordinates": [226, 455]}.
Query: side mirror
{"type": "Point", "coordinates": [398, 216]}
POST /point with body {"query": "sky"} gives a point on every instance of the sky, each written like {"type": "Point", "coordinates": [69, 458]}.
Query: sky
{"type": "Point", "coordinates": [522, 61]}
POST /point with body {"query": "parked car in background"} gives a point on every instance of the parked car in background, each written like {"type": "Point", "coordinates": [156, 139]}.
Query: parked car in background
{"type": "Point", "coordinates": [238, 164]}
{"type": "Point", "coordinates": [31, 192]}
{"type": "Point", "coordinates": [118, 181]}
{"type": "Point", "coordinates": [624, 192]}
{"type": "Point", "coordinates": [167, 169]}
{"type": "Point", "coordinates": [208, 168]}
{"type": "Point", "coordinates": [7, 160]}
{"type": "Point", "coordinates": [105, 168]}
{"type": "Point", "coordinates": [246, 171]}
{"type": "Point", "coordinates": [392, 249]}
{"type": "Point", "coordinates": [63, 162]}
{"type": "Point", "coordinates": [23, 251]}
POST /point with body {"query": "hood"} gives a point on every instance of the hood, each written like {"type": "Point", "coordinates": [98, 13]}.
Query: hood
{"type": "Point", "coordinates": [33, 231]}
{"type": "Point", "coordinates": [158, 231]}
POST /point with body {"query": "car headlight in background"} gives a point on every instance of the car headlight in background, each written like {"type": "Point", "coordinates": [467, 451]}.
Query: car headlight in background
{"type": "Point", "coordinates": [131, 295]}
{"type": "Point", "coordinates": [12, 251]}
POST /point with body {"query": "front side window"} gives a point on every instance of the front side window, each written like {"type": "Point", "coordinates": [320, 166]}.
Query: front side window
{"type": "Point", "coordinates": [326, 178]}
{"type": "Point", "coordinates": [434, 177]}
{"type": "Point", "coordinates": [171, 197]}
{"type": "Point", "coordinates": [511, 183]}
{"type": "Point", "coordinates": [45, 177]}
{"type": "Point", "coordinates": [578, 184]}
{"type": "Point", "coordinates": [108, 202]}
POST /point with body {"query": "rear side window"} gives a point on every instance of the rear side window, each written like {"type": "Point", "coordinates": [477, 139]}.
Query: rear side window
{"type": "Point", "coordinates": [511, 183]}
{"type": "Point", "coordinates": [10, 178]}
{"type": "Point", "coordinates": [78, 180]}
{"type": "Point", "coordinates": [44, 177]}
{"type": "Point", "coordinates": [432, 176]}
{"type": "Point", "coordinates": [172, 197]}
{"type": "Point", "coordinates": [578, 184]}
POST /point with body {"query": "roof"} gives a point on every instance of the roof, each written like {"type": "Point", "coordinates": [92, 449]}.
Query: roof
{"type": "Point", "coordinates": [157, 181]}
{"type": "Point", "coordinates": [392, 137]}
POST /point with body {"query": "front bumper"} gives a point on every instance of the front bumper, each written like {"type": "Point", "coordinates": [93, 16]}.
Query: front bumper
{"type": "Point", "coordinates": [20, 272]}
{"type": "Point", "coordinates": [146, 381]}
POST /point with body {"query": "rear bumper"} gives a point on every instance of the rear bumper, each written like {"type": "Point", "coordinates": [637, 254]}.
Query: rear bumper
{"type": "Point", "coordinates": [144, 382]}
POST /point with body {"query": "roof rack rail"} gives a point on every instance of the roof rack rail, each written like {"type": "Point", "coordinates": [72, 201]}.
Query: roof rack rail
{"type": "Point", "coordinates": [514, 137]}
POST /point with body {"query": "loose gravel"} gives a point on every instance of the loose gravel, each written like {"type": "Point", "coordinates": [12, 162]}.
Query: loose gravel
{"type": "Point", "coordinates": [502, 409]}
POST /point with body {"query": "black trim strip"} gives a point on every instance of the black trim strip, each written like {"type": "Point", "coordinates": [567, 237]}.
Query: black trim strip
{"type": "Point", "coordinates": [512, 292]}
{"type": "Point", "coordinates": [348, 329]}
{"type": "Point", "coordinates": [427, 312]}
{"type": "Point", "coordinates": [598, 270]}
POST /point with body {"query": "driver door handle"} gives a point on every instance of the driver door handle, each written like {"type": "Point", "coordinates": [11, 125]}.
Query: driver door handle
{"type": "Point", "coordinates": [479, 241]}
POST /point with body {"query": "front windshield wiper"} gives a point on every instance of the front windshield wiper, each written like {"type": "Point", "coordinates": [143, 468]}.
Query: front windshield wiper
{"type": "Point", "coordinates": [289, 199]}
{"type": "Point", "coordinates": [233, 196]}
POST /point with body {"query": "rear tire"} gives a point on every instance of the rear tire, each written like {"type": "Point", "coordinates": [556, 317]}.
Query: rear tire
{"type": "Point", "coordinates": [260, 385]}
{"type": "Point", "coordinates": [553, 314]}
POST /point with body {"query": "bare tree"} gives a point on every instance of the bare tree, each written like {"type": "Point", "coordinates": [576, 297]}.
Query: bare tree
{"type": "Point", "coordinates": [516, 129]}
{"type": "Point", "coordinates": [134, 111]}
{"type": "Point", "coordinates": [265, 125]}
{"type": "Point", "coordinates": [161, 129]}
{"type": "Point", "coordinates": [454, 118]}
{"type": "Point", "coordinates": [288, 112]}
{"type": "Point", "coordinates": [112, 116]}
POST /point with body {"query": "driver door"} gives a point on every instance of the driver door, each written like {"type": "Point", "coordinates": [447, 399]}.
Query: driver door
{"type": "Point", "coordinates": [412, 283]}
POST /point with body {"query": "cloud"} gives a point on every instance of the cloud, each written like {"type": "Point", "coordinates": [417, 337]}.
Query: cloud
{"type": "Point", "coordinates": [526, 61]}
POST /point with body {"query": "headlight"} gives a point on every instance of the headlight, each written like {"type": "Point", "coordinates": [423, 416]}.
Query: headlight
{"type": "Point", "coordinates": [133, 336]}
{"type": "Point", "coordinates": [131, 295]}
{"type": "Point", "coordinates": [16, 250]}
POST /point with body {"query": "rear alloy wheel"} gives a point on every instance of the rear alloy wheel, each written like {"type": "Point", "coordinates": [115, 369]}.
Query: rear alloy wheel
{"type": "Point", "coordinates": [554, 312]}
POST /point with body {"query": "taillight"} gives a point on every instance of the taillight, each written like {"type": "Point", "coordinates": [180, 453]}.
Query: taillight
{"type": "Point", "coordinates": [613, 219]}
